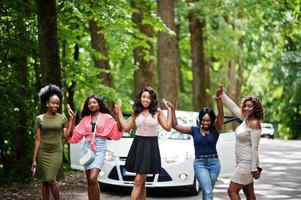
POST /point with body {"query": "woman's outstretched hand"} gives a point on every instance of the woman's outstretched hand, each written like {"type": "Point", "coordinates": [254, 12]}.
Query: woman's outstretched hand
{"type": "Point", "coordinates": [219, 90]}
{"type": "Point", "coordinates": [70, 112]}
{"type": "Point", "coordinates": [167, 104]}
{"type": "Point", "coordinates": [117, 107]}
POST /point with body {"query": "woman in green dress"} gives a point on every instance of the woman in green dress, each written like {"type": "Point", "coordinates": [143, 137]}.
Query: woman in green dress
{"type": "Point", "coordinates": [50, 127]}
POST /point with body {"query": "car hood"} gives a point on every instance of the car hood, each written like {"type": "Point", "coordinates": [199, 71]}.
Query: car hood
{"type": "Point", "coordinates": [167, 147]}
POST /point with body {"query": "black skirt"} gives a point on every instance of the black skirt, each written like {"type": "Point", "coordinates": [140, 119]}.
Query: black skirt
{"type": "Point", "coordinates": [144, 156]}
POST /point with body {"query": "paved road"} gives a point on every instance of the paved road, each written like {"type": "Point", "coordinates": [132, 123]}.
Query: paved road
{"type": "Point", "coordinates": [281, 179]}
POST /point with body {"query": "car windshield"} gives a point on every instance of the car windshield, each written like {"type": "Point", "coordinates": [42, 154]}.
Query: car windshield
{"type": "Point", "coordinates": [172, 135]}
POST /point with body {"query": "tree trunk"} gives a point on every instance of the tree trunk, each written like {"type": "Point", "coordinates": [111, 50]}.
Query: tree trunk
{"type": "Point", "coordinates": [235, 67]}
{"type": "Point", "coordinates": [48, 42]}
{"type": "Point", "coordinates": [21, 140]}
{"type": "Point", "coordinates": [145, 75]}
{"type": "Point", "coordinates": [232, 77]}
{"type": "Point", "coordinates": [99, 44]}
{"type": "Point", "coordinates": [200, 67]}
{"type": "Point", "coordinates": [167, 53]}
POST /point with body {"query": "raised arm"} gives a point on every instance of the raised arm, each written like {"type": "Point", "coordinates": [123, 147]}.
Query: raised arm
{"type": "Point", "coordinates": [232, 106]}
{"type": "Point", "coordinates": [166, 124]}
{"type": "Point", "coordinates": [220, 110]}
{"type": "Point", "coordinates": [115, 115]}
{"type": "Point", "coordinates": [178, 127]}
{"type": "Point", "coordinates": [126, 125]}
{"type": "Point", "coordinates": [69, 130]}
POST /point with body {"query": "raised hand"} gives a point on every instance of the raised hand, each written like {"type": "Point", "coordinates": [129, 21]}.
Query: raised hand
{"type": "Point", "coordinates": [70, 112]}
{"type": "Point", "coordinates": [118, 105]}
{"type": "Point", "coordinates": [219, 90]}
{"type": "Point", "coordinates": [167, 104]}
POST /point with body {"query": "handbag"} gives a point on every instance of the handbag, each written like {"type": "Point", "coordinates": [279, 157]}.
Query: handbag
{"type": "Point", "coordinates": [87, 154]}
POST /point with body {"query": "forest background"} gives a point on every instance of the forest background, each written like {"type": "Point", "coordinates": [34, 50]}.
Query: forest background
{"type": "Point", "coordinates": [113, 48]}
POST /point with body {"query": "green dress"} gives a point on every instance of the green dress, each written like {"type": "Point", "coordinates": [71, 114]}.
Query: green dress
{"type": "Point", "coordinates": [51, 150]}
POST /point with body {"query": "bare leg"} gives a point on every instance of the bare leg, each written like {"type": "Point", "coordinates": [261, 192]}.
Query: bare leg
{"type": "Point", "coordinates": [87, 177]}
{"type": "Point", "coordinates": [54, 188]}
{"type": "Point", "coordinates": [143, 191]}
{"type": "Point", "coordinates": [249, 191]}
{"type": "Point", "coordinates": [233, 190]}
{"type": "Point", "coordinates": [93, 186]}
{"type": "Point", "coordinates": [45, 191]}
{"type": "Point", "coordinates": [138, 184]}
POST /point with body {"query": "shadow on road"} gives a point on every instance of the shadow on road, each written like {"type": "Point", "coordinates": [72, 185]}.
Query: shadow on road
{"type": "Point", "coordinates": [150, 192]}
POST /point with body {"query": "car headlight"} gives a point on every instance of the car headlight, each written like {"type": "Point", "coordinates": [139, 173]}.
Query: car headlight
{"type": "Point", "coordinates": [110, 156]}
{"type": "Point", "coordinates": [176, 158]}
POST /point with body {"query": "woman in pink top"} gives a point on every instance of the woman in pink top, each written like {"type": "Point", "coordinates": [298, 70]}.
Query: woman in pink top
{"type": "Point", "coordinates": [144, 155]}
{"type": "Point", "coordinates": [94, 110]}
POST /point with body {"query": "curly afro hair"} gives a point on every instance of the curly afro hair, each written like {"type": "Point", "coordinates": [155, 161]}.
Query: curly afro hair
{"type": "Point", "coordinates": [48, 91]}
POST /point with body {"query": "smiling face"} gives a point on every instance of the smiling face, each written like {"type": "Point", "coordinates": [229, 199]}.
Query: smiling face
{"type": "Point", "coordinates": [248, 108]}
{"type": "Point", "coordinates": [53, 104]}
{"type": "Point", "coordinates": [206, 122]}
{"type": "Point", "coordinates": [93, 105]}
{"type": "Point", "coordinates": [145, 99]}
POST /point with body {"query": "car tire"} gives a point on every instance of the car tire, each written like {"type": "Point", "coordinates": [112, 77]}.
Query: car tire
{"type": "Point", "coordinates": [194, 189]}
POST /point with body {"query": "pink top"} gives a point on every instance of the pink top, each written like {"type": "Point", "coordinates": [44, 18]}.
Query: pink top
{"type": "Point", "coordinates": [106, 127]}
{"type": "Point", "coordinates": [147, 125]}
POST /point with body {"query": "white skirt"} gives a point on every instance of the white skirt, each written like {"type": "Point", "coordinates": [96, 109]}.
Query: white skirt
{"type": "Point", "coordinates": [99, 154]}
{"type": "Point", "coordinates": [242, 174]}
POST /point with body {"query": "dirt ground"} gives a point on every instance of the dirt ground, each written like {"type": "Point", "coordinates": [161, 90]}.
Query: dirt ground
{"type": "Point", "coordinates": [73, 181]}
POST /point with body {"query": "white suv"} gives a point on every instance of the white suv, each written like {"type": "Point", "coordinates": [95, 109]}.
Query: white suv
{"type": "Point", "coordinates": [267, 130]}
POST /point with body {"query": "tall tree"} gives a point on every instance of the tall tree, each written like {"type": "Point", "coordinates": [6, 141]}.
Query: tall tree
{"type": "Point", "coordinates": [167, 53]}
{"type": "Point", "coordinates": [200, 67]}
{"type": "Point", "coordinates": [235, 62]}
{"type": "Point", "coordinates": [99, 44]}
{"type": "Point", "coordinates": [21, 141]}
{"type": "Point", "coordinates": [145, 75]}
{"type": "Point", "coordinates": [48, 42]}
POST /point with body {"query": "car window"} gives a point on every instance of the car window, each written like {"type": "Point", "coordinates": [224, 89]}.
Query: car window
{"type": "Point", "coordinates": [230, 124]}
{"type": "Point", "coordinates": [174, 134]}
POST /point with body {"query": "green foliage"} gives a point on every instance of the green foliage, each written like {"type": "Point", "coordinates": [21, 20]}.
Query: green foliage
{"type": "Point", "coordinates": [265, 35]}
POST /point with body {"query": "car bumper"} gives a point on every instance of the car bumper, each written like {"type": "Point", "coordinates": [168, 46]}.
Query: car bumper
{"type": "Point", "coordinates": [172, 175]}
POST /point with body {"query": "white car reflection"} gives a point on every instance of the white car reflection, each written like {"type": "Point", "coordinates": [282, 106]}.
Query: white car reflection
{"type": "Point", "coordinates": [177, 155]}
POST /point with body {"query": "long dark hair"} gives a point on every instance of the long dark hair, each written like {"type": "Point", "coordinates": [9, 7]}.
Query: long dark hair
{"type": "Point", "coordinates": [103, 108]}
{"type": "Point", "coordinates": [137, 107]}
{"type": "Point", "coordinates": [210, 112]}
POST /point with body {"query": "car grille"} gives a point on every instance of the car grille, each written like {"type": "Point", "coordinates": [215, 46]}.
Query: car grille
{"type": "Point", "coordinates": [131, 178]}
{"type": "Point", "coordinates": [164, 176]}
{"type": "Point", "coordinates": [122, 158]}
